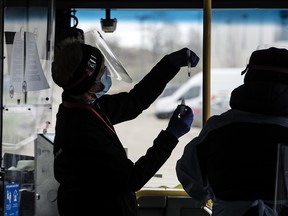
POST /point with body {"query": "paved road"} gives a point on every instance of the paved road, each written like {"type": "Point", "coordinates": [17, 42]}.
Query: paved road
{"type": "Point", "coordinates": [138, 135]}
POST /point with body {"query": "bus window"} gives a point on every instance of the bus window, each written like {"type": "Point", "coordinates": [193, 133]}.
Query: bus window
{"type": "Point", "coordinates": [142, 37]}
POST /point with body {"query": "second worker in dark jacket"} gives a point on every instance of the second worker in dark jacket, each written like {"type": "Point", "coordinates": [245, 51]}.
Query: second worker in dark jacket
{"type": "Point", "coordinates": [233, 160]}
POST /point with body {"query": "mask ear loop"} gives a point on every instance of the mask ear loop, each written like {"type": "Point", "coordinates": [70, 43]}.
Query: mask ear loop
{"type": "Point", "coordinates": [97, 82]}
{"type": "Point", "coordinates": [108, 73]}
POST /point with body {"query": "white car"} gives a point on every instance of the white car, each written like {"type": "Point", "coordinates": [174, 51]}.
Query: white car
{"type": "Point", "coordinates": [223, 81]}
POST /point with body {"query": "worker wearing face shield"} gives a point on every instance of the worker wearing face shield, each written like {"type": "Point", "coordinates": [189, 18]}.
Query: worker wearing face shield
{"type": "Point", "coordinates": [91, 164]}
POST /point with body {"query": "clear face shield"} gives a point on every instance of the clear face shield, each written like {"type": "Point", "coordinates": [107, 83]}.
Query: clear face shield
{"type": "Point", "coordinates": [94, 38]}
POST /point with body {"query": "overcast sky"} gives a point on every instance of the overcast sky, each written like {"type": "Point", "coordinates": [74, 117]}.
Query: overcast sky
{"type": "Point", "coordinates": [131, 24]}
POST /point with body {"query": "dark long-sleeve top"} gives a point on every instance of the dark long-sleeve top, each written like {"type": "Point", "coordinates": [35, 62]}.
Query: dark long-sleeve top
{"type": "Point", "coordinates": [235, 152]}
{"type": "Point", "coordinates": [90, 160]}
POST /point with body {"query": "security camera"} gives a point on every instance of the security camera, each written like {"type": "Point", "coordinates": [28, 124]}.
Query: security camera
{"type": "Point", "coordinates": [108, 25]}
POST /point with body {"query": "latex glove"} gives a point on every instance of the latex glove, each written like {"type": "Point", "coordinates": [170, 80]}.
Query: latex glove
{"type": "Point", "coordinates": [180, 124]}
{"type": "Point", "coordinates": [180, 58]}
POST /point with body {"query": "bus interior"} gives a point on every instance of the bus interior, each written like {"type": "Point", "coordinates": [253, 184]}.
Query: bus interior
{"type": "Point", "coordinates": [223, 33]}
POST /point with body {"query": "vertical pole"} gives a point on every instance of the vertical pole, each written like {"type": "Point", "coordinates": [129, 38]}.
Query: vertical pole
{"type": "Point", "coordinates": [1, 67]}
{"type": "Point", "coordinates": [206, 59]}
{"type": "Point", "coordinates": [1, 104]}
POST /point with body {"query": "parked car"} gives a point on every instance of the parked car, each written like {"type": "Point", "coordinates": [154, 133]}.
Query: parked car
{"type": "Point", "coordinates": [223, 81]}
{"type": "Point", "coordinates": [169, 90]}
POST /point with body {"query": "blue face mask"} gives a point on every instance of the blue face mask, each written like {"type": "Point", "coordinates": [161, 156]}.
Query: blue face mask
{"type": "Point", "coordinates": [106, 82]}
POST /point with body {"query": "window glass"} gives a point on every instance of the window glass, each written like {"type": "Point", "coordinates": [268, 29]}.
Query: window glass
{"type": "Point", "coordinates": [143, 37]}
{"type": "Point", "coordinates": [193, 92]}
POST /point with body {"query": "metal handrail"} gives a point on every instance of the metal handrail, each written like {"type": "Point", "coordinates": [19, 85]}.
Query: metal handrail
{"type": "Point", "coordinates": [160, 192]}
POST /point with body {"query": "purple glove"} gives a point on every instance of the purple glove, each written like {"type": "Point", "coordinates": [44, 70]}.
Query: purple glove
{"type": "Point", "coordinates": [181, 121]}
{"type": "Point", "coordinates": [180, 58]}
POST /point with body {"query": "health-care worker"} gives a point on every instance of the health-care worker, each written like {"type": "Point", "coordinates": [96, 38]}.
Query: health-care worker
{"type": "Point", "coordinates": [90, 162]}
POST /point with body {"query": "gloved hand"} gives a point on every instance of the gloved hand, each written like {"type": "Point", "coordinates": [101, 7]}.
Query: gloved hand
{"type": "Point", "coordinates": [180, 58]}
{"type": "Point", "coordinates": [180, 124]}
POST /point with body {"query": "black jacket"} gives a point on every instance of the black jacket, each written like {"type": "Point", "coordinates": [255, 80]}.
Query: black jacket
{"type": "Point", "coordinates": [90, 163]}
{"type": "Point", "coordinates": [239, 158]}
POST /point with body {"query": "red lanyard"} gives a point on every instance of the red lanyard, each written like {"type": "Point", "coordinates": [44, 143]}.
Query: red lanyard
{"type": "Point", "coordinates": [87, 107]}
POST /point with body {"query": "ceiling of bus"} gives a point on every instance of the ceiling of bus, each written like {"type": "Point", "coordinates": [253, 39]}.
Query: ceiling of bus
{"type": "Point", "coordinates": [171, 3]}
{"type": "Point", "coordinates": [64, 4]}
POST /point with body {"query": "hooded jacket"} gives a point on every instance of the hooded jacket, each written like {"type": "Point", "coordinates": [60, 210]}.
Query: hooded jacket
{"type": "Point", "coordinates": [234, 156]}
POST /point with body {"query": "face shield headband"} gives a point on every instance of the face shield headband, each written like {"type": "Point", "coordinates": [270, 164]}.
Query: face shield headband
{"type": "Point", "coordinates": [118, 72]}
{"type": "Point", "coordinates": [264, 68]}
{"type": "Point", "coordinates": [267, 65]}
{"type": "Point", "coordinates": [86, 72]}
